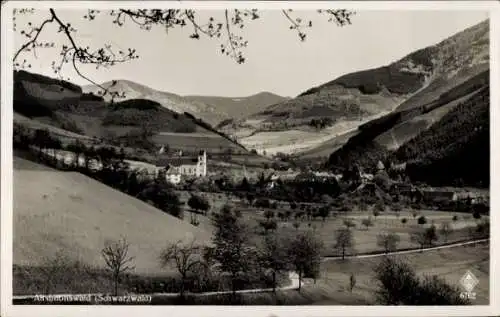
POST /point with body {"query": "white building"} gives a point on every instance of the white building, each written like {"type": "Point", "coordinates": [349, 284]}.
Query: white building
{"type": "Point", "coordinates": [182, 167]}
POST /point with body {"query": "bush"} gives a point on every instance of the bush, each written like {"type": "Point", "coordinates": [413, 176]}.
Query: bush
{"type": "Point", "coordinates": [455, 218]}
{"type": "Point", "coordinates": [422, 220]}
{"type": "Point", "coordinates": [368, 222]}
{"type": "Point", "coordinates": [476, 215]}
{"type": "Point", "coordinates": [398, 284]}
{"type": "Point", "coordinates": [262, 203]}
{"type": "Point", "coordinates": [349, 223]}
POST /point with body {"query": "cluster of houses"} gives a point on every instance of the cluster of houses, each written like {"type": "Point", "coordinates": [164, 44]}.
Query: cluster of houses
{"type": "Point", "coordinates": [174, 169]}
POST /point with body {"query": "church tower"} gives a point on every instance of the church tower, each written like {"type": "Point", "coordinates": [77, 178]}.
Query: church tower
{"type": "Point", "coordinates": [201, 167]}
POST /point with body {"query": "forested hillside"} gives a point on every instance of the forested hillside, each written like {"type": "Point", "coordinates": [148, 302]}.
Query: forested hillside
{"type": "Point", "coordinates": [455, 150]}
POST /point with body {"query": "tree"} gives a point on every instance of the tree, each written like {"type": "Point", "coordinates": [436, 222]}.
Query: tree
{"type": "Point", "coordinates": [41, 139]}
{"type": "Point", "coordinates": [163, 198]}
{"type": "Point", "coordinates": [398, 284]}
{"type": "Point", "coordinates": [352, 282]}
{"type": "Point", "coordinates": [267, 225]}
{"type": "Point", "coordinates": [425, 237]}
{"type": "Point", "coordinates": [115, 255]}
{"type": "Point", "coordinates": [431, 235]}
{"type": "Point", "coordinates": [476, 215]}
{"type": "Point", "coordinates": [324, 212]}
{"type": "Point", "coordinates": [222, 28]}
{"type": "Point", "coordinates": [269, 214]}
{"type": "Point", "coordinates": [274, 256]}
{"type": "Point", "coordinates": [344, 241]}
{"type": "Point", "coordinates": [183, 257]}
{"type": "Point", "coordinates": [388, 240]}
{"type": "Point", "coordinates": [418, 237]}
{"type": "Point", "coordinates": [305, 254]}
{"type": "Point", "coordinates": [404, 221]}
{"type": "Point", "coordinates": [445, 230]}
{"type": "Point", "coordinates": [262, 203]}
{"type": "Point", "coordinates": [231, 240]}
{"type": "Point", "coordinates": [197, 203]}
{"type": "Point", "coordinates": [296, 225]}
{"type": "Point", "coordinates": [368, 222]}
{"type": "Point", "coordinates": [422, 220]}
{"type": "Point", "coordinates": [376, 213]}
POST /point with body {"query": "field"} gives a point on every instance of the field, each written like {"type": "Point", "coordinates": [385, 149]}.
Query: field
{"type": "Point", "coordinates": [195, 141]}
{"type": "Point", "coordinates": [302, 140]}
{"type": "Point", "coordinates": [68, 211]}
{"type": "Point", "coordinates": [365, 238]}
{"type": "Point", "coordinates": [450, 264]}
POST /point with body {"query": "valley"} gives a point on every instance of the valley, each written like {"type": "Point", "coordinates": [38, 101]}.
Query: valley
{"type": "Point", "coordinates": [260, 199]}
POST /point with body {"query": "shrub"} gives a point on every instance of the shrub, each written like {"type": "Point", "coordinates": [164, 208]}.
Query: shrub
{"type": "Point", "coordinates": [352, 282]}
{"type": "Point", "coordinates": [349, 223]}
{"type": "Point", "coordinates": [455, 218]}
{"type": "Point", "coordinates": [368, 222]}
{"type": "Point", "coordinates": [398, 284]}
{"type": "Point", "coordinates": [476, 215]}
{"type": "Point", "coordinates": [422, 220]}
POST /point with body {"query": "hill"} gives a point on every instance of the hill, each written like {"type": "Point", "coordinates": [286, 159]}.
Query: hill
{"type": "Point", "coordinates": [455, 150]}
{"type": "Point", "coordinates": [354, 99]}
{"type": "Point", "coordinates": [133, 122]}
{"type": "Point", "coordinates": [173, 102]}
{"type": "Point", "coordinates": [56, 210]}
{"type": "Point", "coordinates": [238, 107]}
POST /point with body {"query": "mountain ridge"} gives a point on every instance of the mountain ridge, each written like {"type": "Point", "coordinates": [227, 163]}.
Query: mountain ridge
{"type": "Point", "coordinates": [355, 98]}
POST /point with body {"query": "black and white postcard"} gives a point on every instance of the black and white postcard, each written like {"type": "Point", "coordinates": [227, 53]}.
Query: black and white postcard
{"type": "Point", "coordinates": [249, 158]}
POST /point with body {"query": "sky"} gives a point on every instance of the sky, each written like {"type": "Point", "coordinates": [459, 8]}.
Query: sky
{"type": "Point", "coordinates": [276, 60]}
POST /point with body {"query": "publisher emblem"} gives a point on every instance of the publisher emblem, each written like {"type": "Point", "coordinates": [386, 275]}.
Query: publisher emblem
{"type": "Point", "coordinates": [469, 281]}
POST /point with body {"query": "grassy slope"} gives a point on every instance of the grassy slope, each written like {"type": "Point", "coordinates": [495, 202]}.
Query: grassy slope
{"type": "Point", "coordinates": [52, 103]}
{"type": "Point", "coordinates": [65, 210]}
{"type": "Point", "coordinates": [449, 264]}
{"type": "Point", "coordinates": [402, 124]}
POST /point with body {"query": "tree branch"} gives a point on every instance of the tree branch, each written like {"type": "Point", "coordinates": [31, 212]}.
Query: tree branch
{"type": "Point", "coordinates": [33, 40]}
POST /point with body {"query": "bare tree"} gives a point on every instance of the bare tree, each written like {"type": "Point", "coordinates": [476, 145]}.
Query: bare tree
{"type": "Point", "coordinates": [388, 240]}
{"type": "Point", "coordinates": [425, 237]}
{"type": "Point", "coordinates": [368, 222]}
{"type": "Point", "coordinates": [352, 282]}
{"type": "Point", "coordinates": [445, 230]}
{"type": "Point", "coordinates": [115, 255]}
{"type": "Point", "coordinates": [184, 257]}
{"type": "Point", "coordinates": [222, 28]}
{"type": "Point", "coordinates": [418, 237]}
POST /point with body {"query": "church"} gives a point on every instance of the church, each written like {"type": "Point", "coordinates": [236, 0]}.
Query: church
{"type": "Point", "coordinates": [177, 168]}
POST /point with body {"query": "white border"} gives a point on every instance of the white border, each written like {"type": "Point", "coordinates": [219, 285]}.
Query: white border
{"type": "Point", "coordinates": [7, 309]}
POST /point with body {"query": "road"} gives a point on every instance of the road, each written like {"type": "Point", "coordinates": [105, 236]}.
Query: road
{"type": "Point", "coordinates": [365, 256]}
{"type": "Point", "coordinates": [292, 275]}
